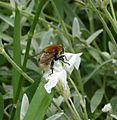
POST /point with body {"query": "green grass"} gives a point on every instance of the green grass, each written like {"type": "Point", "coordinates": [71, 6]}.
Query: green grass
{"type": "Point", "coordinates": [79, 26]}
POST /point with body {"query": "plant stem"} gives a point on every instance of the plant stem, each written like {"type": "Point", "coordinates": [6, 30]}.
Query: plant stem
{"type": "Point", "coordinates": [77, 114]}
{"type": "Point", "coordinates": [17, 67]}
{"type": "Point", "coordinates": [66, 116]}
{"type": "Point", "coordinates": [109, 17]}
{"type": "Point", "coordinates": [30, 35]}
{"type": "Point", "coordinates": [95, 70]}
{"type": "Point", "coordinates": [31, 32]}
{"type": "Point", "coordinates": [104, 23]}
{"type": "Point", "coordinates": [81, 99]}
{"type": "Point", "coordinates": [112, 10]}
{"type": "Point", "coordinates": [62, 24]}
{"type": "Point", "coordinates": [71, 109]}
{"type": "Point", "coordinates": [91, 25]}
{"type": "Point", "coordinates": [75, 88]}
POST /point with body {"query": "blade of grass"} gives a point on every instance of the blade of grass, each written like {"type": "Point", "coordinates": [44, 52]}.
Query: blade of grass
{"type": "Point", "coordinates": [16, 56]}
{"type": "Point", "coordinates": [6, 5]}
{"type": "Point", "coordinates": [31, 32]}
{"type": "Point", "coordinates": [112, 10]}
{"type": "Point", "coordinates": [30, 35]}
{"type": "Point", "coordinates": [39, 103]}
{"type": "Point", "coordinates": [1, 107]}
{"type": "Point", "coordinates": [16, 50]}
{"type": "Point", "coordinates": [109, 17]}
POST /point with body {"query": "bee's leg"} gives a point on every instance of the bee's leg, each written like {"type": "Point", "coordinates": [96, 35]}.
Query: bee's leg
{"type": "Point", "coordinates": [51, 67]}
{"type": "Point", "coordinates": [62, 59]}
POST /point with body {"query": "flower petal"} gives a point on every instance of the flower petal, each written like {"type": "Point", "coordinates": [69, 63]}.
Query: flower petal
{"type": "Point", "coordinates": [24, 106]}
{"type": "Point", "coordinates": [107, 107]}
{"type": "Point", "coordinates": [62, 76]}
{"type": "Point", "coordinates": [50, 84]}
{"type": "Point", "coordinates": [54, 78]}
{"type": "Point", "coordinates": [73, 60]}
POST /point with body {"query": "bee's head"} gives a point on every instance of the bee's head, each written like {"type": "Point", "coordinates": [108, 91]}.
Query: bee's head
{"type": "Point", "coordinates": [61, 50]}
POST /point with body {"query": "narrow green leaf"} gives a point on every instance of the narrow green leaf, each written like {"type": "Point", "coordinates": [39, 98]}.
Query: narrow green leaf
{"type": "Point", "coordinates": [96, 99]}
{"type": "Point", "coordinates": [86, 79]}
{"type": "Point", "coordinates": [6, 5]}
{"type": "Point", "coordinates": [30, 91]}
{"type": "Point", "coordinates": [16, 51]}
{"type": "Point", "coordinates": [114, 103]}
{"type": "Point", "coordinates": [95, 54]}
{"type": "Point", "coordinates": [7, 19]}
{"type": "Point", "coordinates": [112, 48]}
{"type": "Point", "coordinates": [1, 45]}
{"type": "Point", "coordinates": [76, 28]}
{"type": "Point", "coordinates": [30, 6]}
{"type": "Point", "coordinates": [93, 36]}
{"type": "Point", "coordinates": [6, 37]}
{"type": "Point", "coordinates": [3, 27]}
{"type": "Point", "coordinates": [55, 116]}
{"type": "Point", "coordinates": [46, 38]}
{"type": "Point", "coordinates": [1, 107]}
{"type": "Point", "coordinates": [39, 104]}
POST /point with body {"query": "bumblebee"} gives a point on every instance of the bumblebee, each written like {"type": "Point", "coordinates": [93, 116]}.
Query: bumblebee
{"type": "Point", "coordinates": [49, 55]}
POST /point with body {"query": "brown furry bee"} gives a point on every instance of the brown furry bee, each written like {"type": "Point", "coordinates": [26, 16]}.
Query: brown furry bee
{"type": "Point", "coordinates": [50, 54]}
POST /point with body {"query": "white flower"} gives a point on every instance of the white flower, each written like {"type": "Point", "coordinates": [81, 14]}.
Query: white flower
{"type": "Point", "coordinates": [107, 108]}
{"type": "Point", "coordinates": [59, 76]}
{"type": "Point", "coordinates": [24, 106]}
{"type": "Point", "coordinates": [73, 60]}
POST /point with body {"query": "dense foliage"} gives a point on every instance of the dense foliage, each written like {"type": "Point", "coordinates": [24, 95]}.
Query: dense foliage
{"type": "Point", "coordinates": [80, 26]}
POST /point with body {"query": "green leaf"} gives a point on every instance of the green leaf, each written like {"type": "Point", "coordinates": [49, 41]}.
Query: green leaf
{"type": "Point", "coordinates": [39, 103]}
{"type": "Point", "coordinates": [3, 27]}
{"type": "Point", "coordinates": [106, 55]}
{"type": "Point", "coordinates": [1, 107]}
{"type": "Point", "coordinates": [95, 54]}
{"type": "Point", "coordinates": [55, 116]}
{"type": "Point", "coordinates": [76, 28]}
{"type": "Point", "coordinates": [7, 19]}
{"type": "Point", "coordinates": [93, 36]}
{"type": "Point", "coordinates": [6, 37]}
{"type": "Point", "coordinates": [96, 99]}
{"type": "Point", "coordinates": [114, 103]}
{"type": "Point", "coordinates": [45, 37]}
{"type": "Point", "coordinates": [112, 49]}
{"type": "Point", "coordinates": [16, 52]}
{"type": "Point", "coordinates": [1, 45]}
{"type": "Point", "coordinates": [60, 6]}
{"type": "Point", "coordinates": [30, 91]}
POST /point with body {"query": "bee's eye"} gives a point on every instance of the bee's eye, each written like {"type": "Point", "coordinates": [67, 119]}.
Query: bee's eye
{"type": "Point", "coordinates": [60, 52]}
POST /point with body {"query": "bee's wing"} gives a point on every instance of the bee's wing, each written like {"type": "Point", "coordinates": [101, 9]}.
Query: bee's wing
{"type": "Point", "coordinates": [46, 58]}
{"type": "Point", "coordinates": [38, 54]}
